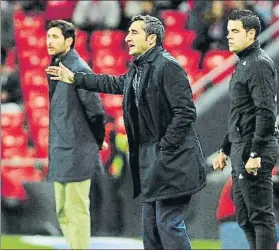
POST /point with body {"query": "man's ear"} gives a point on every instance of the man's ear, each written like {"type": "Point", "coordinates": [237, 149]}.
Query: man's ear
{"type": "Point", "coordinates": [69, 41]}
{"type": "Point", "coordinates": [252, 34]}
{"type": "Point", "coordinates": [152, 39]}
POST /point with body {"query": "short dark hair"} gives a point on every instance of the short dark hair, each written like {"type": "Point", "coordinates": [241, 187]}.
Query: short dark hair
{"type": "Point", "coordinates": [248, 18]}
{"type": "Point", "coordinates": [67, 28]}
{"type": "Point", "coordinates": [153, 25]}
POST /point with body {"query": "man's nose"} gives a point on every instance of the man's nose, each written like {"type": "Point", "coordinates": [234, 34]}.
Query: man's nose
{"type": "Point", "coordinates": [127, 38]}
{"type": "Point", "coordinates": [48, 41]}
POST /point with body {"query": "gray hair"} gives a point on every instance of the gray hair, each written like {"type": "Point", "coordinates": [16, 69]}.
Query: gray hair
{"type": "Point", "coordinates": [152, 26]}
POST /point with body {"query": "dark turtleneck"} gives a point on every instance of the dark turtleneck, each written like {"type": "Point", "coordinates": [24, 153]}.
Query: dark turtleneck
{"type": "Point", "coordinates": [249, 49]}
{"type": "Point", "coordinates": [142, 59]}
{"type": "Point", "coordinates": [139, 62]}
{"type": "Point", "coordinates": [55, 60]}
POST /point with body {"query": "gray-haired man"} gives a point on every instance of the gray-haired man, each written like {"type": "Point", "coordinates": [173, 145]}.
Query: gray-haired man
{"type": "Point", "coordinates": [166, 160]}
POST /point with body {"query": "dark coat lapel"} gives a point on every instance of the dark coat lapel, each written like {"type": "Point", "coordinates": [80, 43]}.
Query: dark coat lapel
{"type": "Point", "coordinates": [143, 79]}
{"type": "Point", "coordinates": [127, 92]}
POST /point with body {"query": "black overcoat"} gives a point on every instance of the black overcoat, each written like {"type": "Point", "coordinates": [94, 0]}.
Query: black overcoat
{"type": "Point", "coordinates": [165, 155]}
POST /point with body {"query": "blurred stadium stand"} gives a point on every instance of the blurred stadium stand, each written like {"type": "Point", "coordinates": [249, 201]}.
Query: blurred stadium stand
{"type": "Point", "coordinates": [24, 167]}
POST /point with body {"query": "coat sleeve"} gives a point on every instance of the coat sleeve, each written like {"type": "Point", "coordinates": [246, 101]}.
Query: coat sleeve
{"type": "Point", "coordinates": [95, 114]}
{"type": "Point", "coordinates": [93, 108]}
{"type": "Point", "coordinates": [262, 86]}
{"type": "Point", "coordinates": [179, 95]}
{"type": "Point", "coordinates": [100, 82]}
{"type": "Point", "coordinates": [226, 146]}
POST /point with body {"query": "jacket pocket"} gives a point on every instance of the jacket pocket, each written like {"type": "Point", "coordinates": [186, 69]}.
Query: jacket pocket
{"type": "Point", "coordinates": [184, 168]}
{"type": "Point", "coordinates": [239, 129]}
{"type": "Point", "coordinates": [171, 149]}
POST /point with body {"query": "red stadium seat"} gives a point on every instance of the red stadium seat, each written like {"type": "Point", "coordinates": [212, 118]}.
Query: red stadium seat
{"type": "Point", "coordinates": [42, 90]}
{"type": "Point", "coordinates": [182, 39]}
{"type": "Point", "coordinates": [41, 142]}
{"type": "Point", "coordinates": [33, 41]}
{"type": "Point", "coordinates": [81, 45]}
{"type": "Point", "coordinates": [112, 104]}
{"type": "Point", "coordinates": [226, 206]}
{"type": "Point", "coordinates": [36, 76]}
{"type": "Point", "coordinates": [107, 39]}
{"type": "Point", "coordinates": [187, 58]}
{"type": "Point", "coordinates": [174, 19]}
{"type": "Point", "coordinates": [12, 117]}
{"type": "Point", "coordinates": [38, 118]}
{"type": "Point", "coordinates": [59, 9]}
{"type": "Point", "coordinates": [36, 100]}
{"type": "Point", "coordinates": [30, 22]}
{"type": "Point", "coordinates": [12, 121]}
{"type": "Point", "coordinates": [109, 62]}
{"type": "Point", "coordinates": [119, 124]}
{"type": "Point", "coordinates": [194, 74]}
{"type": "Point", "coordinates": [85, 55]}
{"type": "Point", "coordinates": [32, 59]}
{"type": "Point", "coordinates": [215, 58]}
{"type": "Point", "coordinates": [11, 188]}
{"type": "Point", "coordinates": [31, 152]}
{"type": "Point", "coordinates": [42, 55]}
{"type": "Point", "coordinates": [13, 143]}
{"type": "Point", "coordinates": [12, 179]}
{"type": "Point", "coordinates": [81, 39]}
{"type": "Point", "coordinates": [11, 58]}
{"type": "Point", "coordinates": [11, 139]}
{"type": "Point", "coordinates": [12, 152]}
{"type": "Point", "coordinates": [34, 79]}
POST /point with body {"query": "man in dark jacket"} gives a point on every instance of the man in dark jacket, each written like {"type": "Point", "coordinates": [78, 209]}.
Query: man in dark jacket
{"type": "Point", "coordinates": [165, 156]}
{"type": "Point", "coordinates": [250, 140]}
{"type": "Point", "coordinates": [76, 136]}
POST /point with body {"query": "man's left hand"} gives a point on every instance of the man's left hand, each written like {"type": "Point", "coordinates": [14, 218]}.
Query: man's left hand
{"type": "Point", "coordinates": [61, 73]}
{"type": "Point", "coordinates": [252, 165]}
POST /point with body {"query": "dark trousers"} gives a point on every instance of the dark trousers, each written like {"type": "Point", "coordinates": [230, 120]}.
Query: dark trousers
{"type": "Point", "coordinates": [253, 196]}
{"type": "Point", "coordinates": [163, 224]}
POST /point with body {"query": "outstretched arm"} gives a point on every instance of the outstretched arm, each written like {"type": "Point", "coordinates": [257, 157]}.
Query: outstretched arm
{"type": "Point", "coordinates": [89, 81]}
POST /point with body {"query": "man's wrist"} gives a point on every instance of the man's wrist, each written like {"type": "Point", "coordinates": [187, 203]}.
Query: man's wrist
{"type": "Point", "coordinates": [254, 155]}
{"type": "Point", "coordinates": [221, 150]}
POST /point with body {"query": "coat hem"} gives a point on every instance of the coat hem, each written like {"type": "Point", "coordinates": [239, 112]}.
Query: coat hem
{"type": "Point", "coordinates": [67, 179]}
{"type": "Point", "coordinates": [176, 195]}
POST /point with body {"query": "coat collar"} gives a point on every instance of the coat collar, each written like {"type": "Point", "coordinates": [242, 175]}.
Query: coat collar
{"type": "Point", "coordinates": [64, 58]}
{"type": "Point", "coordinates": [142, 59]}
{"type": "Point", "coordinates": [154, 53]}
{"type": "Point", "coordinates": [249, 49]}
{"type": "Point", "coordinates": [149, 56]}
